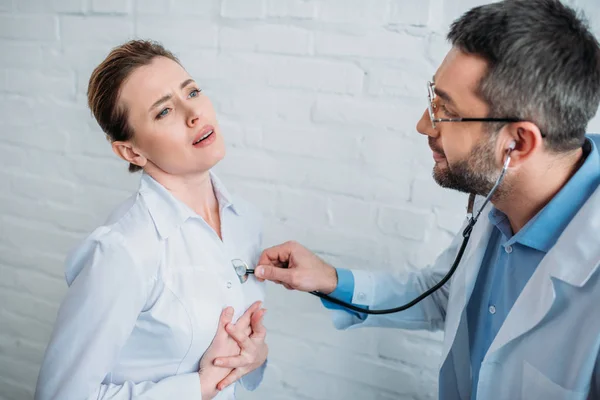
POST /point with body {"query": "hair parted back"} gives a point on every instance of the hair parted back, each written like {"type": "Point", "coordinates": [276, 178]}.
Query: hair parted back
{"type": "Point", "coordinates": [105, 84]}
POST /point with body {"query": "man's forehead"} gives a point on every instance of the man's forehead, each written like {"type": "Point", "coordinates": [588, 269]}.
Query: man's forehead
{"type": "Point", "coordinates": [460, 71]}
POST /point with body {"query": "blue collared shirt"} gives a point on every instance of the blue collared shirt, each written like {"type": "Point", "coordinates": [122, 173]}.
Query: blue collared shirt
{"type": "Point", "coordinates": [510, 260]}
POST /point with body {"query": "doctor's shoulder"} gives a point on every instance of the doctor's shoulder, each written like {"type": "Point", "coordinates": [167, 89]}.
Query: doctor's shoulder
{"type": "Point", "coordinates": [126, 244]}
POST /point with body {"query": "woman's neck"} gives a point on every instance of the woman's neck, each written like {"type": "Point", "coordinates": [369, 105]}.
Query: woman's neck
{"type": "Point", "coordinates": [196, 191]}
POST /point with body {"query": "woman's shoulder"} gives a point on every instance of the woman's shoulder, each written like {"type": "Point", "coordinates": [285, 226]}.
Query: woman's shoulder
{"type": "Point", "coordinates": [128, 235]}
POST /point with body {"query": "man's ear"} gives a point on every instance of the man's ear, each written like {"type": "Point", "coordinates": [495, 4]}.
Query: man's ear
{"type": "Point", "coordinates": [129, 153]}
{"type": "Point", "coordinates": [527, 140]}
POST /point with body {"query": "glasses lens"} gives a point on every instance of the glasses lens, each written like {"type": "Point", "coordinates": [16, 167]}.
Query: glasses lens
{"type": "Point", "coordinates": [430, 97]}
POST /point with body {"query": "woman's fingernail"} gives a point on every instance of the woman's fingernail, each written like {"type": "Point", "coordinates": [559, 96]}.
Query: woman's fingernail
{"type": "Point", "coordinates": [259, 272]}
{"type": "Point", "coordinates": [218, 362]}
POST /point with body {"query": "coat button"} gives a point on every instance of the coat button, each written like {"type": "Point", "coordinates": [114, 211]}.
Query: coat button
{"type": "Point", "coordinates": [229, 285]}
{"type": "Point", "coordinates": [492, 310]}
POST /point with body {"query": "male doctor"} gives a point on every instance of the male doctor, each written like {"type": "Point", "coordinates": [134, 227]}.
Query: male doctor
{"type": "Point", "coordinates": [521, 314]}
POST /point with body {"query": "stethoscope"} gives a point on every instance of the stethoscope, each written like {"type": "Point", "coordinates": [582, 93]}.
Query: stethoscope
{"type": "Point", "coordinates": [242, 270]}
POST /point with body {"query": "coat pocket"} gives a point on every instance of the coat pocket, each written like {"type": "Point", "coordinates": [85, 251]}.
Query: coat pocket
{"type": "Point", "coordinates": [537, 386]}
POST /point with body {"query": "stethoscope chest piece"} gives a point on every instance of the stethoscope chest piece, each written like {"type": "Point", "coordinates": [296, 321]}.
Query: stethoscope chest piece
{"type": "Point", "coordinates": [241, 269]}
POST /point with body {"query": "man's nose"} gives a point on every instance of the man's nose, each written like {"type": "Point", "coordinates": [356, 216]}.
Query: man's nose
{"type": "Point", "coordinates": [424, 126]}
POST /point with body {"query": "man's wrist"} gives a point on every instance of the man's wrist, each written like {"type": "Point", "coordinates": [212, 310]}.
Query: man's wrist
{"type": "Point", "coordinates": [332, 280]}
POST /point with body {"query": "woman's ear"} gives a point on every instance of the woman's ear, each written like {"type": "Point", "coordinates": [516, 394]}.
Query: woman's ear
{"type": "Point", "coordinates": [129, 153]}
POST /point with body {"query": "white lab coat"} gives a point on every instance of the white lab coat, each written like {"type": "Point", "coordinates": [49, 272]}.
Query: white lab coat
{"type": "Point", "coordinates": [547, 348]}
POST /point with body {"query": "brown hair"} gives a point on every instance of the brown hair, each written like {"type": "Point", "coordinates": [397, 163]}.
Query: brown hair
{"type": "Point", "coordinates": [105, 86]}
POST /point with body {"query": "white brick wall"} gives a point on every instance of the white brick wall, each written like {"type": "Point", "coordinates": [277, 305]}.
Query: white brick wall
{"type": "Point", "coordinates": [318, 100]}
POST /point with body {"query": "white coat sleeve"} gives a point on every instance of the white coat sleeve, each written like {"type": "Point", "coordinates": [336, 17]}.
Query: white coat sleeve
{"type": "Point", "coordinates": [107, 291]}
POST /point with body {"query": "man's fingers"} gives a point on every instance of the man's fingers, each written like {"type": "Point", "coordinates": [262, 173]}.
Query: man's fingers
{"type": "Point", "coordinates": [231, 362]}
{"type": "Point", "coordinates": [274, 274]}
{"type": "Point", "coordinates": [258, 329]}
{"type": "Point", "coordinates": [229, 379]}
{"type": "Point", "coordinates": [277, 256]}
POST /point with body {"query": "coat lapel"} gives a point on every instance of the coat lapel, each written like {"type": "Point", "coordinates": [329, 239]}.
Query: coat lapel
{"type": "Point", "coordinates": [573, 259]}
{"type": "Point", "coordinates": [462, 283]}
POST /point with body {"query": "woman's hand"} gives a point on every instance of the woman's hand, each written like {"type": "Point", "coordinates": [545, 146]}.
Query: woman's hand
{"type": "Point", "coordinates": [223, 345]}
{"type": "Point", "coordinates": [253, 352]}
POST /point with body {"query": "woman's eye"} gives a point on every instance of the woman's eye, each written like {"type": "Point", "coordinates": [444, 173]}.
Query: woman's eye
{"type": "Point", "coordinates": [163, 113]}
{"type": "Point", "coordinates": [195, 93]}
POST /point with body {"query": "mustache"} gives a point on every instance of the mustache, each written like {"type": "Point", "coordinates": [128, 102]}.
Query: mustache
{"type": "Point", "coordinates": [435, 147]}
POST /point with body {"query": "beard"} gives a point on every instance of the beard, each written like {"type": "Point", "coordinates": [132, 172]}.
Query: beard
{"type": "Point", "coordinates": [476, 174]}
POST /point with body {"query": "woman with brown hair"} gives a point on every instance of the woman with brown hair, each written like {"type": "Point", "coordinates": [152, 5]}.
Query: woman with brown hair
{"type": "Point", "coordinates": [153, 294]}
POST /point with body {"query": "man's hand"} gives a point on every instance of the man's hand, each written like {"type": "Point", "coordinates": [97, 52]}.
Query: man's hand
{"type": "Point", "coordinates": [223, 345]}
{"type": "Point", "coordinates": [253, 352]}
{"type": "Point", "coordinates": [294, 266]}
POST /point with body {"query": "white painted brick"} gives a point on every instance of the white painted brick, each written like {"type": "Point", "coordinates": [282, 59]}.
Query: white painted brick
{"type": "Point", "coordinates": [326, 360]}
{"type": "Point", "coordinates": [40, 137]}
{"type": "Point", "coordinates": [410, 12]}
{"type": "Point", "coordinates": [31, 186]}
{"type": "Point", "coordinates": [353, 11]}
{"type": "Point", "coordinates": [406, 223]}
{"type": "Point", "coordinates": [309, 209]}
{"type": "Point", "coordinates": [406, 347]}
{"type": "Point", "coordinates": [299, 9]}
{"type": "Point", "coordinates": [16, 231]}
{"type": "Point", "coordinates": [28, 306]}
{"type": "Point", "coordinates": [318, 329]}
{"type": "Point", "coordinates": [6, 5]}
{"type": "Point", "coordinates": [392, 152]}
{"type": "Point", "coordinates": [266, 38]}
{"type": "Point", "coordinates": [247, 9]}
{"type": "Point", "coordinates": [50, 263]}
{"type": "Point", "coordinates": [17, 55]}
{"type": "Point", "coordinates": [33, 283]}
{"type": "Point", "coordinates": [29, 329]}
{"type": "Point", "coordinates": [312, 142]}
{"type": "Point", "coordinates": [450, 221]}
{"type": "Point", "coordinates": [407, 80]}
{"type": "Point", "coordinates": [59, 85]}
{"type": "Point", "coordinates": [366, 113]}
{"type": "Point", "coordinates": [378, 44]}
{"type": "Point", "coordinates": [352, 215]}
{"type": "Point", "coordinates": [202, 8]}
{"type": "Point", "coordinates": [112, 6]}
{"type": "Point", "coordinates": [256, 106]}
{"type": "Point", "coordinates": [427, 193]}
{"type": "Point", "coordinates": [326, 76]}
{"type": "Point", "coordinates": [57, 6]}
{"type": "Point", "coordinates": [110, 172]}
{"type": "Point", "coordinates": [30, 27]}
{"type": "Point", "coordinates": [426, 252]}
{"type": "Point", "coordinates": [52, 165]}
{"type": "Point", "coordinates": [318, 102]}
{"type": "Point", "coordinates": [152, 7]}
{"type": "Point", "coordinates": [175, 35]}
{"type": "Point", "coordinates": [340, 243]}
{"type": "Point", "coordinates": [12, 390]}
{"type": "Point", "coordinates": [104, 30]}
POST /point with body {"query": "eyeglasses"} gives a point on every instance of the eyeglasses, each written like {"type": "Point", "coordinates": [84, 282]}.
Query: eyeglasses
{"type": "Point", "coordinates": [432, 107]}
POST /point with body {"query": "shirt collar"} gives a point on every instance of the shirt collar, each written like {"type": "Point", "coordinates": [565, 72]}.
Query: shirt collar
{"type": "Point", "coordinates": [543, 230]}
{"type": "Point", "coordinates": [168, 212]}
